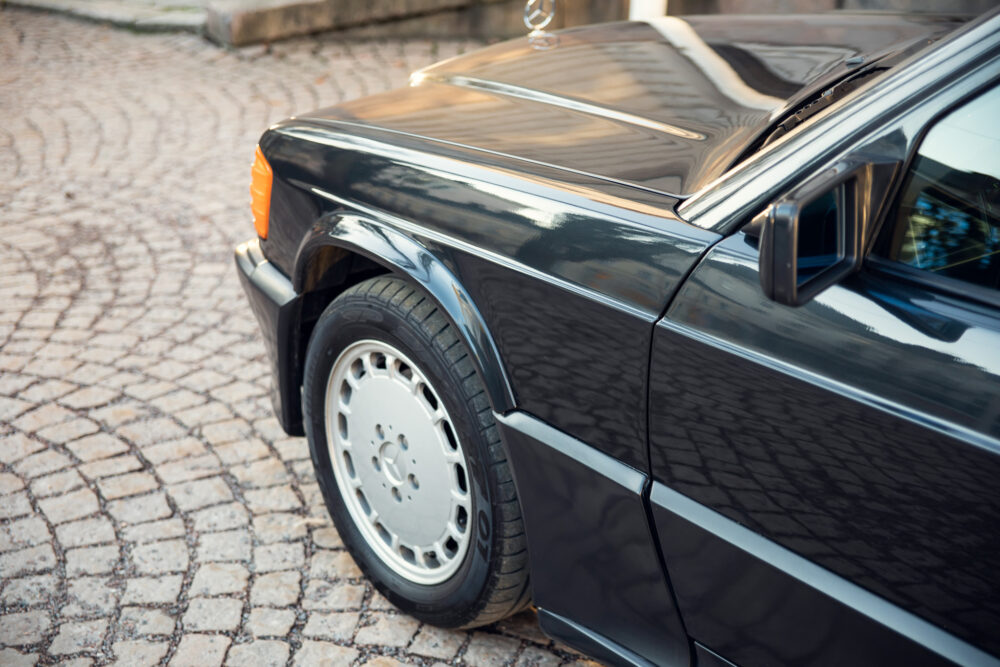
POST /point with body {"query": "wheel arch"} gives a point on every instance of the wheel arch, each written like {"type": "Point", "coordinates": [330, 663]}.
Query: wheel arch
{"type": "Point", "coordinates": [343, 249]}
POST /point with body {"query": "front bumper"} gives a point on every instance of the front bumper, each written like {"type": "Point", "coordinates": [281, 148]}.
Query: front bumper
{"type": "Point", "coordinates": [276, 306]}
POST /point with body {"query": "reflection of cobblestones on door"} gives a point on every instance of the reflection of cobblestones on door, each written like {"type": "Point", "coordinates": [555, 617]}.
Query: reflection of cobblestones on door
{"type": "Point", "coordinates": [151, 509]}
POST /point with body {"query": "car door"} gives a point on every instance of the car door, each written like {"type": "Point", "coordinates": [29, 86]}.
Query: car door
{"type": "Point", "coordinates": [825, 476]}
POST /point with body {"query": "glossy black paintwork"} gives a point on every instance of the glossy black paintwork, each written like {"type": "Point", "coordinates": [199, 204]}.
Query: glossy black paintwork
{"type": "Point", "coordinates": [757, 606]}
{"type": "Point", "coordinates": [667, 104]}
{"type": "Point", "coordinates": [584, 513]}
{"type": "Point", "coordinates": [539, 252]}
{"type": "Point", "coordinates": [870, 448]}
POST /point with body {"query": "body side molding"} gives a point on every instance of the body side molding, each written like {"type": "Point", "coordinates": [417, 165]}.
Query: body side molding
{"type": "Point", "coordinates": [672, 509]}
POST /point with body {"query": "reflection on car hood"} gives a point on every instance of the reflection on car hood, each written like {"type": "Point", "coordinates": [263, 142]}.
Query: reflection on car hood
{"type": "Point", "coordinates": [666, 104]}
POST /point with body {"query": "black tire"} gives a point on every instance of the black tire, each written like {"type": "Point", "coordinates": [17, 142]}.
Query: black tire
{"type": "Point", "coordinates": [492, 580]}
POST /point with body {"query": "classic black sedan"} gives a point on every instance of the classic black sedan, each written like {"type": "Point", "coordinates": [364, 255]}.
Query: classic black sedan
{"type": "Point", "coordinates": [686, 332]}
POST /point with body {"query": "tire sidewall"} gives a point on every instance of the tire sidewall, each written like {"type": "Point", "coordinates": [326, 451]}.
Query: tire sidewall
{"type": "Point", "coordinates": [456, 600]}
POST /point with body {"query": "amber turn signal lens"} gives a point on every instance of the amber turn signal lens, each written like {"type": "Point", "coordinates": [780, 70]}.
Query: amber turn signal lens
{"type": "Point", "coordinates": [260, 192]}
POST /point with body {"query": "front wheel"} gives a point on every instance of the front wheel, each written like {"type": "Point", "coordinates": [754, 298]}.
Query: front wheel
{"type": "Point", "coordinates": [409, 460]}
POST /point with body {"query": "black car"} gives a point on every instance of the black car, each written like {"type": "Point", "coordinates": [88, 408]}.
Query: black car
{"type": "Point", "coordinates": [686, 332]}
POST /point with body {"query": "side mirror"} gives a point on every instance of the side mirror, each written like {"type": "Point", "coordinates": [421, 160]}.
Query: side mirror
{"type": "Point", "coordinates": [816, 236]}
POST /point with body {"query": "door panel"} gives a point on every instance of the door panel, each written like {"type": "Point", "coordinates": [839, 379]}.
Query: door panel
{"type": "Point", "coordinates": [859, 432]}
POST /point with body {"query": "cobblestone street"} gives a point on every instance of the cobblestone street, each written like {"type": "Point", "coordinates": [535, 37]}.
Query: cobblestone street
{"type": "Point", "coordinates": [151, 509]}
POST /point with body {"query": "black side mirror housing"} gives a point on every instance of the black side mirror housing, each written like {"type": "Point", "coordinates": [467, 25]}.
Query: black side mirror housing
{"type": "Point", "coordinates": [816, 236]}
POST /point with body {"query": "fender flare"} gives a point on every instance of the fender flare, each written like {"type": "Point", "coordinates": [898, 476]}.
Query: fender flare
{"type": "Point", "coordinates": [403, 255]}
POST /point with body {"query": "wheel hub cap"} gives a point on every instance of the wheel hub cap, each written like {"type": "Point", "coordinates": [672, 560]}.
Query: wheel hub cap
{"type": "Point", "coordinates": [398, 463]}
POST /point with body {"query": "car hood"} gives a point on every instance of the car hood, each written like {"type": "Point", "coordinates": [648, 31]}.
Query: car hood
{"type": "Point", "coordinates": [666, 104]}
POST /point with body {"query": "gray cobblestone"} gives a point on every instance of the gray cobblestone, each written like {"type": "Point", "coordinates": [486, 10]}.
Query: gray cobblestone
{"type": "Point", "coordinates": [141, 466]}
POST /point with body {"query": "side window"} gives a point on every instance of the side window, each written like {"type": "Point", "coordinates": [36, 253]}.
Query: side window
{"type": "Point", "coordinates": [947, 219]}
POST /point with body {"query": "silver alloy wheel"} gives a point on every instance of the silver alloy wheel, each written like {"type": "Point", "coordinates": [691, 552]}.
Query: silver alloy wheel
{"type": "Point", "coordinates": [398, 462]}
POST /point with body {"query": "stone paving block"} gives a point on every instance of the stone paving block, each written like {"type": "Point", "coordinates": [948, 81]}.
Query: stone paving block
{"type": "Point", "coordinates": [383, 661]}
{"type": "Point", "coordinates": [263, 473]}
{"type": "Point", "coordinates": [327, 538]}
{"type": "Point", "coordinates": [259, 653]}
{"type": "Point", "coordinates": [241, 452]}
{"type": "Point", "coordinates": [69, 506]}
{"type": "Point", "coordinates": [15, 505]}
{"type": "Point", "coordinates": [188, 468]}
{"type": "Point", "coordinates": [197, 650]}
{"type": "Point", "coordinates": [91, 560]}
{"type": "Point", "coordinates": [224, 546]}
{"type": "Point", "coordinates": [230, 430]}
{"type": "Point", "coordinates": [56, 483]}
{"type": "Point", "coordinates": [265, 622]}
{"type": "Point", "coordinates": [138, 653]}
{"type": "Point", "coordinates": [437, 643]}
{"type": "Point", "coordinates": [29, 591]}
{"type": "Point", "coordinates": [486, 650]}
{"type": "Point", "coordinates": [279, 556]}
{"type": "Point", "coordinates": [97, 446]}
{"type": "Point", "coordinates": [152, 590]}
{"type": "Point", "coordinates": [203, 414]}
{"type": "Point", "coordinates": [173, 450]}
{"type": "Point", "coordinates": [140, 622]}
{"type": "Point", "coordinates": [11, 658]}
{"type": "Point", "coordinates": [213, 614]}
{"type": "Point", "coordinates": [90, 596]}
{"type": "Point", "coordinates": [219, 578]}
{"type": "Point", "coordinates": [177, 400]}
{"type": "Point", "coordinates": [338, 626]}
{"type": "Point", "coordinates": [279, 527]}
{"type": "Point", "coordinates": [12, 407]}
{"type": "Point", "coordinates": [111, 466]}
{"type": "Point", "coordinates": [276, 589]}
{"type": "Point", "coordinates": [274, 499]}
{"type": "Point", "coordinates": [70, 430]}
{"type": "Point", "coordinates": [140, 508]}
{"type": "Point", "coordinates": [88, 397]}
{"type": "Point", "coordinates": [388, 630]}
{"type": "Point", "coordinates": [130, 484]}
{"type": "Point", "coordinates": [9, 483]}
{"type": "Point", "coordinates": [201, 493]}
{"type": "Point", "coordinates": [41, 417]}
{"type": "Point", "coordinates": [333, 596]}
{"type": "Point", "coordinates": [220, 517]}
{"type": "Point", "coordinates": [154, 531]}
{"type": "Point", "coordinates": [23, 628]}
{"type": "Point", "coordinates": [16, 446]}
{"type": "Point", "coordinates": [324, 654]}
{"type": "Point", "coordinates": [115, 416]}
{"type": "Point", "coordinates": [151, 431]}
{"type": "Point", "coordinates": [160, 557]}
{"type": "Point", "coordinates": [27, 561]}
{"type": "Point", "coordinates": [25, 532]}
{"type": "Point", "coordinates": [333, 565]}
{"type": "Point", "coordinates": [78, 636]}
{"type": "Point", "coordinates": [42, 463]}
{"type": "Point", "coordinates": [84, 532]}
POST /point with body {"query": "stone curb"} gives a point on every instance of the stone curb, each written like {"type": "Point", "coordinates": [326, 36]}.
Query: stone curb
{"type": "Point", "coordinates": [123, 14]}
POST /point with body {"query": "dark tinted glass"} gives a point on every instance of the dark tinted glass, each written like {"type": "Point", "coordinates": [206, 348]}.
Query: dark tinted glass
{"type": "Point", "coordinates": [948, 217]}
{"type": "Point", "coordinates": [819, 243]}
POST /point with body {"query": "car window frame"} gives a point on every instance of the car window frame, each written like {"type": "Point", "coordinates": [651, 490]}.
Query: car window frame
{"type": "Point", "coordinates": [953, 287]}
